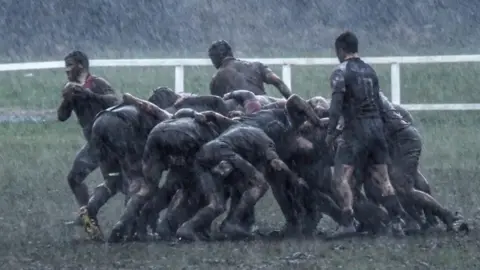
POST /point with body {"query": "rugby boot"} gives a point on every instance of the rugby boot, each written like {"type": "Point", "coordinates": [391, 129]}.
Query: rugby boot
{"type": "Point", "coordinates": [348, 227]}
{"type": "Point", "coordinates": [412, 226]}
{"type": "Point", "coordinates": [234, 230]}
{"type": "Point", "coordinates": [289, 229]}
{"type": "Point", "coordinates": [164, 230]}
{"type": "Point", "coordinates": [346, 231]}
{"type": "Point", "coordinates": [118, 233]}
{"type": "Point", "coordinates": [455, 223]}
{"type": "Point", "coordinates": [431, 220]}
{"type": "Point", "coordinates": [90, 225]}
{"type": "Point", "coordinates": [186, 232]}
{"type": "Point", "coordinates": [396, 227]}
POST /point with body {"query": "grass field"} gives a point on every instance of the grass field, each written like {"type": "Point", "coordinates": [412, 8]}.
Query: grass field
{"type": "Point", "coordinates": [421, 83]}
{"type": "Point", "coordinates": [35, 199]}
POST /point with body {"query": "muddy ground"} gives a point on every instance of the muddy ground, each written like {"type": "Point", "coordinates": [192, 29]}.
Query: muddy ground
{"type": "Point", "coordinates": [35, 201]}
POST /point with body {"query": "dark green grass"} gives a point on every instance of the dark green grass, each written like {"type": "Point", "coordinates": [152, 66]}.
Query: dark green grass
{"type": "Point", "coordinates": [421, 83]}
{"type": "Point", "coordinates": [35, 200]}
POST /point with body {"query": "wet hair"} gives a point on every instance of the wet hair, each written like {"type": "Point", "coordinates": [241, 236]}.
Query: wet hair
{"type": "Point", "coordinates": [163, 97]}
{"type": "Point", "coordinates": [79, 58]}
{"type": "Point", "coordinates": [220, 47]}
{"type": "Point", "coordinates": [348, 42]}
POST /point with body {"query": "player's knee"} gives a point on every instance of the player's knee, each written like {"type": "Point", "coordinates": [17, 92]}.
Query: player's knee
{"type": "Point", "coordinates": [107, 188]}
{"type": "Point", "coordinates": [263, 186]}
{"type": "Point", "coordinates": [80, 170]}
{"type": "Point", "coordinates": [75, 178]}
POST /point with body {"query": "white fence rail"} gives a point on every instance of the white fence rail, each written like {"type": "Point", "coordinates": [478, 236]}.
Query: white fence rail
{"type": "Point", "coordinates": [286, 64]}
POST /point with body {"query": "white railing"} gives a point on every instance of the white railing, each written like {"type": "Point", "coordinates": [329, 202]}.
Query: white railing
{"type": "Point", "coordinates": [286, 64]}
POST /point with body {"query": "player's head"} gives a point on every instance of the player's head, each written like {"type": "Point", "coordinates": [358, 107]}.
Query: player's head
{"type": "Point", "coordinates": [218, 51]}
{"type": "Point", "coordinates": [346, 44]}
{"type": "Point", "coordinates": [76, 62]}
{"type": "Point", "coordinates": [163, 97]}
{"type": "Point", "coordinates": [320, 105]}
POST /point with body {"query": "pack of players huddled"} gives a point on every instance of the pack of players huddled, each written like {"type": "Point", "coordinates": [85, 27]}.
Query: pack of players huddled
{"type": "Point", "coordinates": [353, 157]}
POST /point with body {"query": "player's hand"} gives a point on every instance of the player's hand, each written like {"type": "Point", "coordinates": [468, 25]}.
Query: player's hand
{"type": "Point", "coordinates": [277, 164]}
{"type": "Point", "coordinates": [82, 92]}
{"type": "Point", "coordinates": [67, 90]}
{"type": "Point", "coordinates": [67, 93]}
{"type": "Point", "coordinates": [200, 118]}
{"type": "Point", "coordinates": [329, 139]}
{"type": "Point", "coordinates": [302, 182]}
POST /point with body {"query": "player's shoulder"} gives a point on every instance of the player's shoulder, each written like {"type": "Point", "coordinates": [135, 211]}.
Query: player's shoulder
{"type": "Point", "coordinates": [342, 67]}
{"type": "Point", "coordinates": [222, 71]}
{"type": "Point", "coordinates": [100, 80]}
{"type": "Point", "coordinates": [256, 64]}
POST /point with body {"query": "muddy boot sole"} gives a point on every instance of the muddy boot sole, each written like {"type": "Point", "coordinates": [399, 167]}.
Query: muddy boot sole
{"type": "Point", "coordinates": [90, 226]}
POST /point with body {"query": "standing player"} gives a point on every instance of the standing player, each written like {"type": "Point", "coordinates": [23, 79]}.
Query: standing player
{"type": "Point", "coordinates": [356, 97]}
{"type": "Point", "coordinates": [234, 74]}
{"type": "Point", "coordinates": [86, 95]}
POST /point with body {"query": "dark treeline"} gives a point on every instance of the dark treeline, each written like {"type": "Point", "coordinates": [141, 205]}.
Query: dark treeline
{"type": "Point", "coordinates": [184, 28]}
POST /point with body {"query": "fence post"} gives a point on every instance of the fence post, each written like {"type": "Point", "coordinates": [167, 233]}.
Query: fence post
{"type": "Point", "coordinates": [395, 83]}
{"type": "Point", "coordinates": [179, 79]}
{"type": "Point", "coordinates": [287, 75]}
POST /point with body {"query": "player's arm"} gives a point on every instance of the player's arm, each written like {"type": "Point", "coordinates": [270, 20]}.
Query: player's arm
{"type": "Point", "coordinates": [245, 167]}
{"type": "Point", "coordinates": [104, 92]}
{"type": "Point", "coordinates": [269, 77]}
{"type": "Point", "coordinates": [296, 106]}
{"type": "Point", "coordinates": [247, 98]}
{"type": "Point", "coordinates": [64, 111]}
{"type": "Point", "coordinates": [406, 115]}
{"type": "Point", "coordinates": [240, 96]}
{"type": "Point", "coordinates": [277, 164]}
{"type": "Point", "coordinates": [275, 105]}
{"type": "Point", "coordinates": [146, 106]}
{"type": "Point", "coordinates": [204, 117]}
{"type": "Point", "coordinates": [218, 119]}
{"type": "Point", "coordinates": [337, 83]}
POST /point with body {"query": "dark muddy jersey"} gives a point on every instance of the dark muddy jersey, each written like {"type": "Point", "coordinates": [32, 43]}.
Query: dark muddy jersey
{"type": "Point", "coordinates": [358, 82]}
{"type": "Point", "coordinates": [142, 122]}
{"type": "Point", "coordinates": [273, 122]}
{"type": "Point", "coordinates": [235, 74]}
{"type": "Point", "coordinates": [392, 119]}
{"type": "Point", "coordinates": [86, 110]}
{"type": "Point", "coordinates": [196, 134]}
{"type": "Point", "coordinates": [320, 149]}
{"type": "Point", "coordinates": [249, 142]}
{"type": "Point", "coordinates": [262, 118]}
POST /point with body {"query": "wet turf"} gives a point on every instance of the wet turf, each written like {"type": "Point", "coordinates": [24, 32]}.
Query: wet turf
{"type": "Point", "coordinates": [35, 200]}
